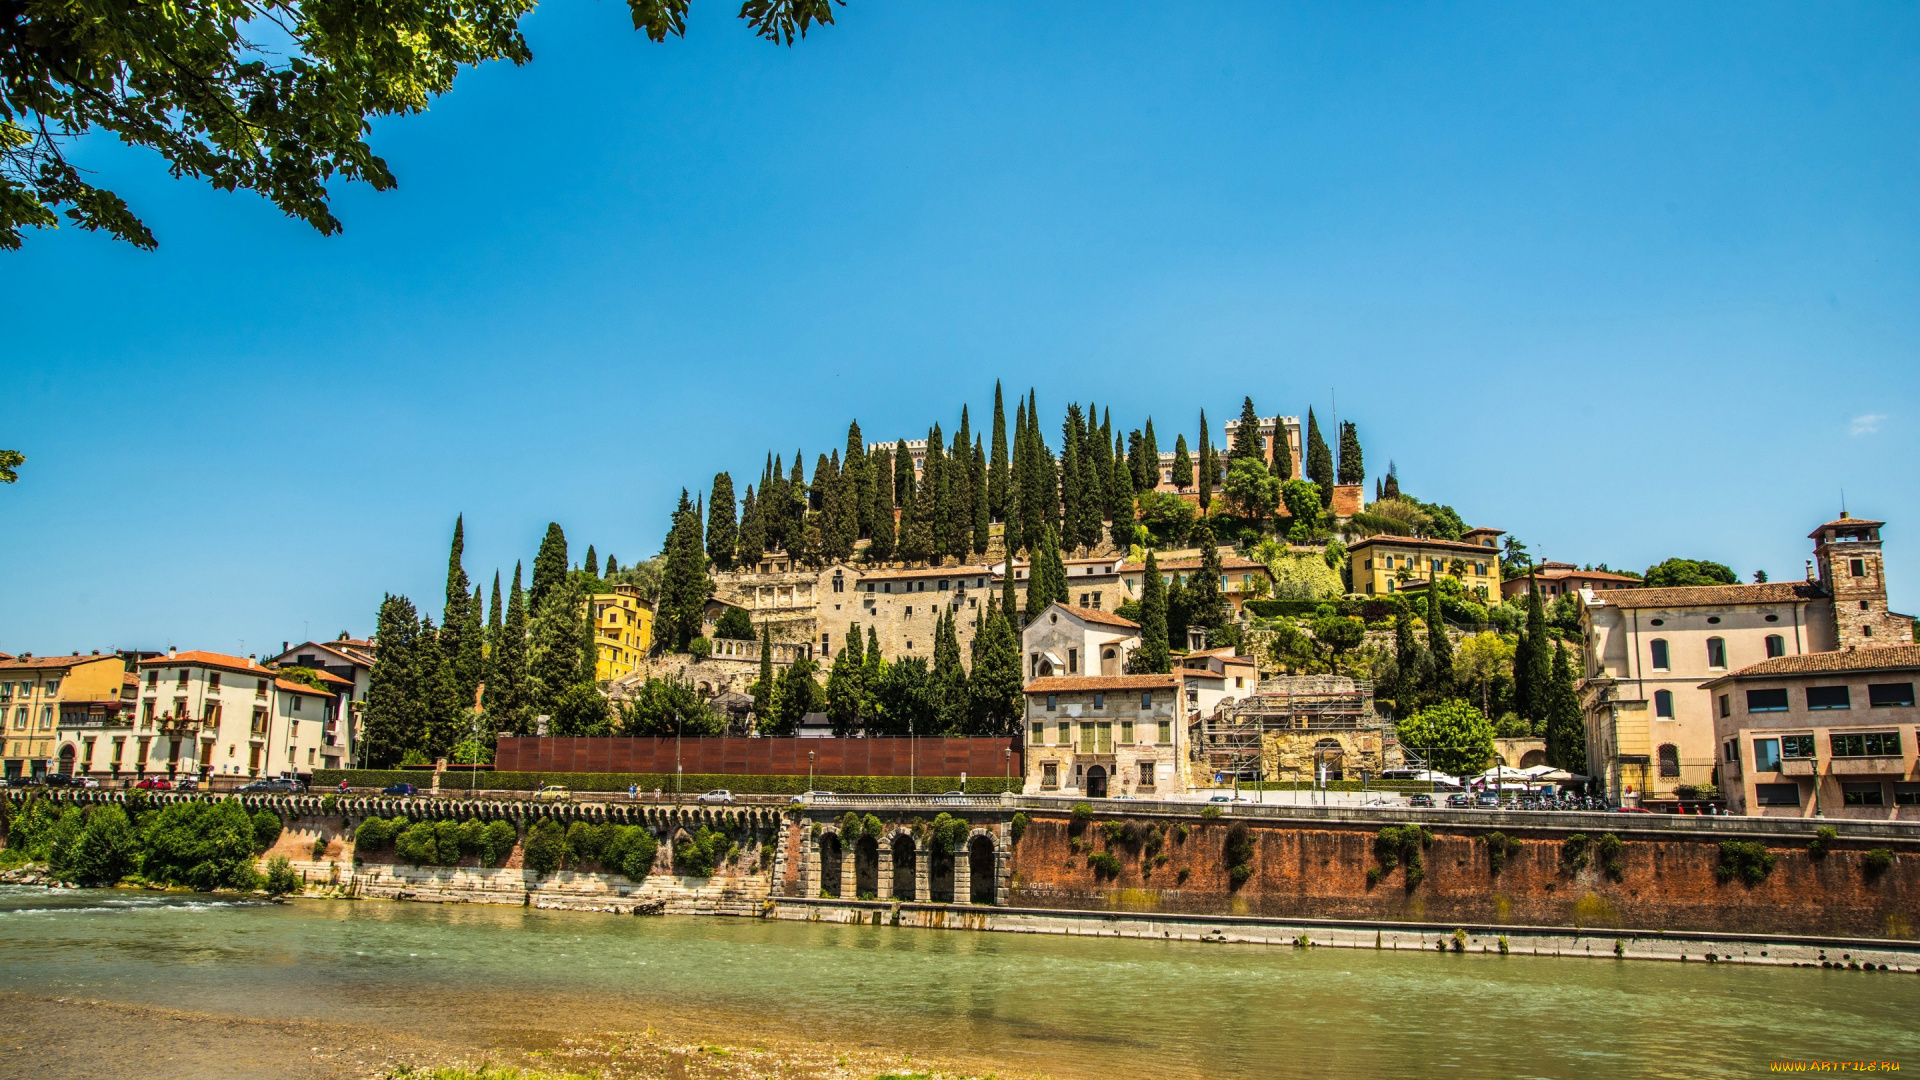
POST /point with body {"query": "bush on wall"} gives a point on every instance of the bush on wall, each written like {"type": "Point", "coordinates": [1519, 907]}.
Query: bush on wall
{"type": "Point", "coordinates": [690, 783]}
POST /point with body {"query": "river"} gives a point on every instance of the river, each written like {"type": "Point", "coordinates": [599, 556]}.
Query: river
{"type": "Point", "coordinates": [475, 977]}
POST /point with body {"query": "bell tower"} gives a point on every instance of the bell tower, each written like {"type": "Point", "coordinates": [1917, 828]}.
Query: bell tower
{"type": "Point", "coordinates": [1846, 552]}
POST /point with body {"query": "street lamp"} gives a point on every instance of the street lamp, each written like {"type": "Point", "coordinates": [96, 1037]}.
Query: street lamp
{"type": "Point", "coordinates": [913, 756]}
{"type": "Point", "coordinates": [809, 770]}
{"type": "Point", "coordinates": [676, 755]}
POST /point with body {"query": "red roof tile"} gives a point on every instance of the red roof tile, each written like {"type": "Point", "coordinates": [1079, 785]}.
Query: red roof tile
{"type": "Point", "coordinates": [1063, 684]}
{"type": "Point", "coordinates": [202, 658]}
{"type": "Point", "coordinates": [1765, 592]}
{"type": "Point", "coordinates": [1845, 523]}
{"type": "Point", "coordinates": [300, 688]}
{"type": "Point", "coordinates": [1094, 615]}
{"type": "Point", "coordinates": [1889, 658]}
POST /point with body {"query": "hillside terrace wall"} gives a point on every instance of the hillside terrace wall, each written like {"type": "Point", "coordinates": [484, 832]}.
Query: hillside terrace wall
{"type": "Point", "coordinates": [980, 757]}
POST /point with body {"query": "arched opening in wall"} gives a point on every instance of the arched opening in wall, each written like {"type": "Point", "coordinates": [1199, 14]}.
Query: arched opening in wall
{"type": "Point", "coordinates": [940, 876]}
{"type": "Point", "coordinates": [1110, 661]}
{"type": "Point", "coordinates": [830, 856]}
{"type": "Point", "coordinates": [980, 868]}
{"type": "Point", "coordinates": [1328, 756]}
{"type": "Point", "coordinates": [1669, 761]}
{"type": "Point", "coordinates": [66, 759]}
{"type": "Point", "coordinates": [903, 868]}
{"type": "Point", "coordinates": [1097, 782]}
{"type": "Point", "coordinates": [1533, 757]}
{"type": "Point", "coordinates": [866, 867]}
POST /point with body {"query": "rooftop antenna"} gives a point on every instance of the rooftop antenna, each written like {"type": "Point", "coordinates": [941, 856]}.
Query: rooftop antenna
{"type": "Point", "coordinates": [1843, 502]}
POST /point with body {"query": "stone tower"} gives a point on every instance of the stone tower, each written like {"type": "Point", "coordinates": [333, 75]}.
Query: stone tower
{"type": "Point", "coordinates": [1847, 555]}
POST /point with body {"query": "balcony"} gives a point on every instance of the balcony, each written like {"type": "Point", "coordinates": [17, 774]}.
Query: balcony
{"type": "Point", "coordinates": [1797, 766]}
{"type": "Point", "coordinates": [1866, 766]}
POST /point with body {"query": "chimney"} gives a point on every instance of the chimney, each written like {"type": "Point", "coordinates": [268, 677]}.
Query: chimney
{"type": "Point", "coordinates": [1811, 576]}
{"type": "Point", "coordinates": [172, 652]}
{"type": "Point", "coordinates": [283, 646]}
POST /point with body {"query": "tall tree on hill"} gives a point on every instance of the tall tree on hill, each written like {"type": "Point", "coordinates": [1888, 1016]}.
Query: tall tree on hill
{"type": "Point", "coordinates": [1093, 495]}
{"type": "Point", "coordinates": [949, 677]}
{"type": "Point", "coordinates": [959, 523]}
{"type": "Point", "coordinates": [1531, 673]}
{"type": "Point", "coordinates": [1047, 577]}
{"type": "Point", "coordinates": [684, 584]}
{"type": "Point", "coordinates": [554, 653]}
{"type": "Point", "coordinates": [982, 511]}
{"type": "Point", "coordinates": [1391, 489]}
{"type": "Point", "coordinates": [1070, 488]}
{"type": "Point", "coordinates": [932, 504]}
{"type": "Point", "coordinates": [1120, 506]}
{"type": "Point", "coordinates": [1014, 532]}
{"type": "Point", "coordinates": [843, 512]}
{"type": "Point", "coordinates": [1182, 464]}
{"type": "Point", "coordinates": [1046, 479]}
{"type": "Point", "coordinates": [445, 721]}
{"type": "Point", "coordinates": [395, 710]}
{"type": "Point", "coordinates": [549, 564]}
{"type": "Point", "coordinates": [916, 534]}
{"type": "Point", "coordinates": [723, 534]}
{"type": "Point", "coordinates": [1207, 465]}
{"type": "Point", "coordinates": [1439, 646]}
{"type": "Point", "coordinates": [490, 660]}
{"type": "Point", "coordinates": [1566, 730]}
{"type": "Point", "coordinates": [993, 687]}
{"type": "Point", "coordinates": [509, 699]}
{"type": "Point", "coordinates": [774, 504]}
{"type": "Point", "coordinates": [592, 565]}
{"type": "Point", "coordinates": [753, 532]}
{"type": "Point", "coordinates": [460, 635]}
{"type": "Point", "coordinates": [854, 469]}
{"type": "Point", "coordinates": [1353, 467]}
{"type": "Point", "coordinates": [762, 688]}
{"type": "Point", "coordinates": [881, 466]}
{"type": "Point", "coordinates": [1246, 437]}
{"type": "Point", "coordinates": [1152, 657]}
{"type": "Point", "coordinates": [844, 686]}
{"type": "Point", "coordinates": [1282, 452]}
{"type": "Point", "coordinates": [999, 480]}
{"type": "Point", "coordinates": [1408, 662]}
{"type": "Point", "coordinates": [1150, 456]}
{"type": "Point", "coordinates": [1099, 450]}
{"type": "Point", "coordinates": [906, 485]}
{"type": "Point", "coordinates": [817, 494]}
{"type": "Point", "coordinates": [1178, 610]}
{"type": "Point", "coordinates": [1206, 604]}
{"type": "Point", "coordinates": [1137, 458]}
{"type": "Point", "coordinates": [795, 515]}
{"type": "Point", "coordinates": [1319, 460]}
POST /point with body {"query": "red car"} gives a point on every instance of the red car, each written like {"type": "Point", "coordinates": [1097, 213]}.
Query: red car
{"type": "Point", "coordinates": [155, 783]}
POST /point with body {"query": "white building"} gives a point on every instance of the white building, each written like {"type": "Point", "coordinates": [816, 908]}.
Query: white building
{"type": "Point", "coordinates": [1063, 640]}
{"type": "Point", "coordinates": [212, 715]}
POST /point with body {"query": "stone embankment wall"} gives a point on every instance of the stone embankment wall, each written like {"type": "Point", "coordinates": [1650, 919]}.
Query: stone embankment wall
{"type": "Point", "coordinates": [1320, 871]}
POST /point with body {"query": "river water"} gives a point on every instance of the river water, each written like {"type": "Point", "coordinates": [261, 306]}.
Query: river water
{"type": "Point", "coordinates": [1063, 1007]}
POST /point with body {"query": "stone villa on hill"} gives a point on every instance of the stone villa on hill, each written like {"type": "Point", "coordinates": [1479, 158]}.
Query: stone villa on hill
{"type": "Point", "coordinates": [1385, 564]}
{"type": "Point", "coordinates": [1557, 579]}
{"type": "Point", "coordinates": [1652, 730]}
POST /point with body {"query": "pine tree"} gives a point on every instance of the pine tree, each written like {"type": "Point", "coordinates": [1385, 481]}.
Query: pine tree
{"type": "Point", "coordinates": [394, 717]}
{"type": "Point", "coordinates": [1282, 452]}
{"type": "Point", "coordinates": [460, 623]}
{"type": "Point", "coordinates": [1353, 467]}
{"type": "Point", "coordinates": [1150, 456]}
{"type": "Point", "coordinates": [592, 565]}
{"type": "Point", "coordinates": [1407, 663]}
{"type": "Point", "coordinates": [1071, 492]}
{"type": "Point", "coordinates": [1206, 603]}
{"type": "Point", "coordinates": [1531, 670]}
{"type": "Point", "coordinates": [1152, 658]}
{"type": "Point", "coordinates": [753, 533]}
{"type": "Point", "coordinates": [1319, 460]}
{"type": "Point", "coordinates": [1566, 726]}
{"type": "Point", "coordinates": [762, 688]}
{"type": "Point", "coordinates": [842, 529]}
{"type": "Point", "coordinates": [684, 584]}
{"type": "Point", "coordinates": [509, 698]}
{"type": "Point", "coordinates": [982, 511]}
{"type": "Point", "coordinates": [1182, 464]}
{"type": "Point", "coordinates": [549, 564]}
{"type": "Point", "coordinates": [844, 689]}
{"type": "Point", "coordinates": [1246, 437]}
{"type": "Point", "coordinates": [612, 567]}
{"type": "Point", "coordinates": [1392, 489]}
{"type": "Point", "coordinates": [1439, 647]}
{"type": "Point", "coordinates": [949, 678]}
{"type": "Point", "coordinates": [995, 701]}
{"type": "Point", "coordinates": [1121, 507]}
{"type": "Point", "coordinates": [1207, 465]}
{"type": "Point", "coordinates": [723, 534]}
{"type": "Point", "coordinates": [999, 481]}
{"type": "Point", "coordinates": [1015, 534]}
{"type": "Point", "coordinates": [882, 528]}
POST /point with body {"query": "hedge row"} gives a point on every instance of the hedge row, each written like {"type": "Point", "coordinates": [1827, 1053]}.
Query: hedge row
{"type": "Point", "coordinates": [690, 783]}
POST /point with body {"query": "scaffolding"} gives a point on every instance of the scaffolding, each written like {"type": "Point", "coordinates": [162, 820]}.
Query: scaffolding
{"type": "Point", "coordinates": [1230, 742]}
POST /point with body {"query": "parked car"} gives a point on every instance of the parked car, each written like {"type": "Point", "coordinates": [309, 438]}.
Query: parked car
{"type": "Point", "coordinates": [1486, 800]}
{"type": "Point", "coordinates": [1420, 800]}
{"type": "Point", "coordinates": [809, 796]}
{"type": "Point", "coordinates": [187, 783]}
{"type": "Point", "coordinates": [274, 786]}
{"type": "Point", "coordinates": [552, 793]}
{"type": "Point", "coordinates": [153, 783]}
{"type": "Point", "coordinates": [1459, 800]}
{"type": "Point", "coordinates": [399, 789]}
{"type": "Point", "coordinates": [59, 780]}
{"type": "Point", "coordinates": [716, 796]}
{"type": "Point", "coordinates": [86, 782]}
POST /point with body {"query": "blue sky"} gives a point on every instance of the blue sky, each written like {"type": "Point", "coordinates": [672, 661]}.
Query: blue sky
{"type": "Point", "coordinates": [1629, 282]}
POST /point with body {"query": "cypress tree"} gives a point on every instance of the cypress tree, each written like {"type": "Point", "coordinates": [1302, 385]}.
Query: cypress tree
{"type": "Point", "coordinates": [959, 475]}
{"type": "Point", "coordinates": [554, 652]}
{"type": "Point", "coordinates": [460, 623]}
{"type": "Point", "coordinates": [774, 505]}
{"type": "Point", "coordinates": [1099, 485]}
{"type": "Point", "coordinates": [440, 697]}
{"type": "Point", "coordinates": [843, 514]}
{"type": "Point", "coordinates": [1150, 456]}
{"type": "Point", "coordinates": [589, 642]}
{"type": "Point", "coordinates": [982, 511]}
{"type": "Point", "coordinates": [1566, 726]}
{"type": "Point", "coordinates": [723, 534]}
{"type": "Point", "coordinates": [1121, 507]}
{"type": "Point", "coordinates": [490, 663]}
{"type": "Point", "coordinates": [684, 584]}
{"type": "Point", "coordinates": [795, 515]}
{"type": "Point", "coordinates": [854, 469]}
{"type": "Point", "coordinates": [995, 702]}
{"type": "Point", "coordinates": [1093, 496]}
{"type": "Point", "coordinates": [817, 494]}
{"type": "Point", "coordinates": [1353, 467]}
{"type": "Point", "coordinates": [1182, 464]}
{"type": "Point", "coordinates": [612, 567]}
{"type": "Point", "coordinates": [394, 718]}
{"type": "Point", "coordinates": [1319, 460]}
{"type": "Point", "coordinates": [999, 486]}
{"type": "Point", "coordinates": [509, 698]}
{"type": "Point", "coordinates": [762, 688]}
{"type": "Point", "coordinates": [1406, 656]}
{"type": "Point", "coordinates": [916, 531]}
{"type": "Point", "coordinates": [1178, 611]}
{"type": "Point", "coordinates": [753, 533]}
{"type": "Point", "coordinates": [592, 565]}
{"type": "Point", "coordinates": [1071, 491]}
{"type": "Point", "coordinates": [1439, 648]}
{"type": "Point", "coordinates": [1040, 585]}
{"type": "Point", "coordinates": [949, 678]}
{"type": "Point", "coordinates": [493, 617]}
{"type": "Point", "coordinates": [1137, 459]}
{"type": "Point", "coordinates": [1531, 673]}
{"type": "Point", "coordinates": [1152, 658]}
{"type": "Point", "coordinates": [1044, 476]}
{"type": "Point", "coordinates": [932, 504]}
{"type": "Point", "coordinates": [549, 564]}
{"type": "Point", "coordinates": [906, 486]}
{"type": "Point", "coordinates": [1392, 487]}
{"type": "Point", "coordinates": [1206, 604]}
{"type": "Point", "coordinates": [881, 466]}
{"type": "Point", "coordinates": [1014, 532]}
{"type": "Point", "coordinates": [844, 689]}
{"type": "Point", "coordinates": [1246, 437]}
{"type": "Point", "coordinates": [1009, 601]}
{"type": "Point", "coordinates": [1206, 465]}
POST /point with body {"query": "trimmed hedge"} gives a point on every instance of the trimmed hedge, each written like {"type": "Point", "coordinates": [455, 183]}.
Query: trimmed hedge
{"type": "Point", "coordinates": [690, 783]}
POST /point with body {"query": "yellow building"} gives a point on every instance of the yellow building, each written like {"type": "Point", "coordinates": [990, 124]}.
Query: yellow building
{"type": "Point", "coordinates": [622, 631]}
{"type": "Point", "coordinates": [35, 692]}
{"type": "Point", "coordinates": [1380, 564]}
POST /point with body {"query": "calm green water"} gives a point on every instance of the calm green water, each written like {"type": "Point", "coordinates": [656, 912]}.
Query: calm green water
{"type": "Point", "coordinates": [1070, 1007]}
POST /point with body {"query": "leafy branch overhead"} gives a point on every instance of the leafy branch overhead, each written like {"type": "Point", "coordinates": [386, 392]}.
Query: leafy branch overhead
{"type": "Point", "coordinates": [271, 96]}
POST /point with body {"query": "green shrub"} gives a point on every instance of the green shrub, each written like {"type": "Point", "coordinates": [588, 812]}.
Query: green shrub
{"type": "Point", "coordinates": [446, 842]}
{"type": "Point", "coordinates": [1500, 848]}
{"type": "Point", "coordinates": [1398, 844]}
{"type": "Point", "coordinates": [632, 850]}
{"type": "Point", "coordinates": [1876, 861]}
{"type": "Point", "coordinates": [319, 848]}
{"type": "Point", "coordinates": [1239, 874]}
{"type": "Point", "coordinates": [418, 845]}
{"type": "Point", "coordinates": [1082, 813]}
{"type": "Point", "coordinates": [1822, 841]}
{"type": "Point", "coordinates": [1609, 848]}
{"type": "Point", "coordinates": [281, 879]}
{"type": "Point", "coordinates": [103, 852]}
{"type": "Point", "coordinates": [1104, 865]}
{"type": "Point", "coordinates": [699, 854]}
{"type": "Point", "coordinates": [497, 843]}
{"type": "Point", "coordinates": [1747, 860]}
{"type": "Point", "coordinates": [266, 829]}
{"type": "Point", "coordinates": [374, 834]}
{"type": "Point", "coordinates": [1019, 826]}
{"type": "Point", "coordinates": [1576, 851]}
{"type": "Point", "coordinates": [690, 782]}
{"type": "Point", "coordinates": [948, 833]}
{"type": "Point", "coordinates": [1210, 813]}
{"type": "Point", "coordinates": [1239, 846]}
{"type": "Point", "coordinates": [201, 845]}
{"type": "Point", "coordinates": [586, 842]}
{"type": "Point", "coordinates": [546, 847]}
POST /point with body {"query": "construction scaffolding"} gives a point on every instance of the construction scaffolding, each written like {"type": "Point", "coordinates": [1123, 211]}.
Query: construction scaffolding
{"type": "Point", "coordinates": [1264, 734]}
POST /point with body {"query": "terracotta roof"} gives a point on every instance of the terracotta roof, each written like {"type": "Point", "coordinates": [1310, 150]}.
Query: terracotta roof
{"type": "Point", "coordinates": [1095, 615]}
{"type": "Point", "coordinates": [329, 677]}
{"type": "Point", "coordinates": [1227, 562]}
{"type": "Point", "coordinates": [299, 688]}
{"type": "Point", "coordinates": [324, 646]}
{"type": "Point", "coordinates": [1484, 531]}
{"type": "Point", "coordinates": [929, 572]}
{"type": "Point", "coordinates": [1555, 572]}
{"type": "Point", "coordinates": [42, 663]}
{"type": "Point", "coordinates": [202, 658]}
{"type": "Point", "coordinates": [1422, 541]}
{"type": "Point", "coordinates": [1893, 657]}
{"type": "Point", "coordinates": [1225, 654]}
{"type": "Point", "coordinates": [1765, 592]}
{"type": "Point", "coordinates": [130, 679]}
{"type": "Point", "coordinates": [1060, 684]}
{"type": "Point", "coordinates": [1845, 523]}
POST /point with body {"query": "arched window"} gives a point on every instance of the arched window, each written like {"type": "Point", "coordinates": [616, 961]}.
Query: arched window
{"type": "Point", "coordinates": [1776, 646]}
{"type": "Point", "coordinates": [1716, 652]}
{"type": "Point", "coordinates": [1660, 654]}
{"type": "Point", "coordinates": [1663, 704]}
{"type": "Point", "coordinates": [1669, 761]}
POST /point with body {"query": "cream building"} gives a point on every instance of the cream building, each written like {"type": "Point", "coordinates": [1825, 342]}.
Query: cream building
{"type": "Point", "coordinates": [219, 716]}
{"type": "Point", "coordinates": [346, 667]}
{"type": "Point", "coordinates": [1064, 640]}
{"type": "Point", "coordinates": [1104, 735]}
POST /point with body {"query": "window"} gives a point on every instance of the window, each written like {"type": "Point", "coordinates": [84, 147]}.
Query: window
{"type": "Point", "coordinates": [943, 584]}
{"type": "Point", "coordinates": [1820, 698]}
{"type": "Point", "coordinates": [1126, 733]}
{"type": "Point", "coordinates": [1905, 794]}
{"type": "Point", "coordinates": [1766, 755]}
{"type": "Point", "coordinates": [1777, 794]}
{"type": "Point", "coordinates": [1726, 706]}
{"type": "Point", "coordinates": [1659, 654]}
{"type": "Point", "coordinates": [1857, 567]}
{"type": "Point", "coordinates": [1050, 775]}
{"type": "Point", "coordinates": [1038, 736]}
{"type": "Point", "coordinates": [1146, 775]}
{"type": "Point", "coordinates": [1146, 699]}
{"type": "Point", "coordinates": [1776, 646]}
{"type": "Point", "coordinates": [1766, 701]}
{"type": "Point", "coordinates": [182, 684]}
{"type": "Point", "coordinates": [1862, 794]}
{"type": "Point", "coordinates": [1053, 702]}
{"type": "Point", "coordinates": [1716, 652]}
{"type": "Point", "coordinates": [1065, 734]}
{"type": "Point", "coordinates": [213, 682]}
{"type": "Point", "coordinates": [1866, 744]}
{"type": "Point", "coordinates": [1731, 751]}
{"type": "Point", "coordinates": [1663, 704]}
{"type": "Point", "coordinates": [153, 679]}
{"type": "Point", "coordinates": [1669, 761]}
{"type": "Point", "coordinates": [1888, 695]}
{"type": "Point", "coordinates": [1099, 701]}
{"type": "Point", "coordinates": [1073, 664]}
{"type": "Point", "coordinates": [1166, 732]}
{"type": "Point", "coordinates": [1796, 747]}
{"type": "Point", "coordinates": [1086, 737]}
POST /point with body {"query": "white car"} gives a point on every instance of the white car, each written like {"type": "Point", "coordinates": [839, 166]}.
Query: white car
{"type": "Point", "coordinates": [87, 782]}
{"type": "Point", "coordinates": [716, 796]}
{"type": "Point", "coordinates": [806, 797]}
